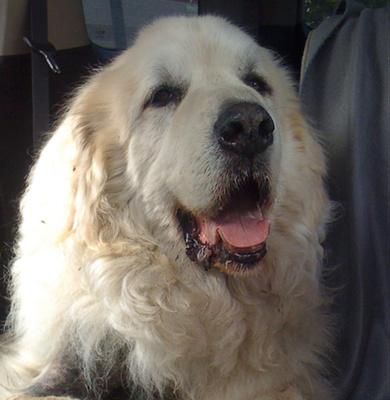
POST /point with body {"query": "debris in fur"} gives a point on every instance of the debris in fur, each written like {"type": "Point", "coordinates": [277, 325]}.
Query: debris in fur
{"type": "Point", "coordinates": [198, 252]}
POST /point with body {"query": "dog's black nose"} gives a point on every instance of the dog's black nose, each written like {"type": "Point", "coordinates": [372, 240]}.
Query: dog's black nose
{"type": "Point", "coordinates": [244, 128]}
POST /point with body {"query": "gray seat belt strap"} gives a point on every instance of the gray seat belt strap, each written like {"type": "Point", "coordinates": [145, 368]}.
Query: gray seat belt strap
{"type": "Point", "coordinates": [42, 58]}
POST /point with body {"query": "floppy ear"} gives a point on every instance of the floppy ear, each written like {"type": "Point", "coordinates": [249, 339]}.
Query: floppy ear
{"type": "Point", "coordinates": [76, 179]}
{"type": "Point", "coordinates": [302, 179]}
{"type": "Point", "coordinates": [73, 197]}
{"type": "Point", "coordinates": [302, 163]}
{"type": "Point", "coordinates": [312, 168]}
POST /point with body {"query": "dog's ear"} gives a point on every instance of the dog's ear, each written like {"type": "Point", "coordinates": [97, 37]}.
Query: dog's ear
{"type": "Point", "coordinates": [75, 186]}
{"type": "Point", "coordinates": [98, 164]}
{"type": "Point", "coordinates": [306, 180]}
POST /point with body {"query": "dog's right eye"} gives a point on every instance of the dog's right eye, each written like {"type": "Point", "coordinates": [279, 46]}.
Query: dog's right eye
{"type": "Point", "coordinates": [258, 83]}
{"type": "Point", "coordinates": [163, 96]}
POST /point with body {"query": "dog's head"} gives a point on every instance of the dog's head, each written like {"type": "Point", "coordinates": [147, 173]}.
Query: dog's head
{"type": "Point", "coordinates": [201, 142]}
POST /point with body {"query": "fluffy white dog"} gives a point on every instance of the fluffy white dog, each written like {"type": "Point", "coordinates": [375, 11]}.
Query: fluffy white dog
{"type": "Point", "coordinates": [170, 230]}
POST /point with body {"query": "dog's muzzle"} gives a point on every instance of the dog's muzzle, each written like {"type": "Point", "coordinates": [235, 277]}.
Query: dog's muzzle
{"type": "Point", "coordinates": [231, 234]}
{"type": "Point", "coordinates": [233, 237]}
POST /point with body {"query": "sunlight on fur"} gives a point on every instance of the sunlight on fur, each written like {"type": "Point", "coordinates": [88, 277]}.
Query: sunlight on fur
{"type": "Point", "coordinates": [105, 279]}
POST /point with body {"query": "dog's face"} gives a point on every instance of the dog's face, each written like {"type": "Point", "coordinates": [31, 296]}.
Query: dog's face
{"type": "Point", "coordinates": [218, 159]}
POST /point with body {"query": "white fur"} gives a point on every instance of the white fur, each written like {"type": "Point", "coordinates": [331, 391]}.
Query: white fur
{"type": "Point", "coordinates": [100, 264]}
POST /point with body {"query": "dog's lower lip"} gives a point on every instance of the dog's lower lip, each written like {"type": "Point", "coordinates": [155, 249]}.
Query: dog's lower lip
{"type": "Point", "coordinates": [250, 257]}
{"type": "Point", "coordinates": [233, 261]}
{"type": "Point", "coordinates": [220, 258]}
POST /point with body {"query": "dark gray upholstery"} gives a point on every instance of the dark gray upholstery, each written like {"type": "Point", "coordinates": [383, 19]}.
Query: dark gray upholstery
{"type": "Point", "coordinates": [345, 89]}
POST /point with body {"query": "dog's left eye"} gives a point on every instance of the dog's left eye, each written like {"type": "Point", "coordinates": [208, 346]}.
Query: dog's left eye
{"type": "Point", "coordinates": [257, 83]}
{"type": "Point", "coordinates": [163, 96]}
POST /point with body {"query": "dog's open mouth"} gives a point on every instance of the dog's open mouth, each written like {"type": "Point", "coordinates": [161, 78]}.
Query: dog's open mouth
{"type": "Point", "coordinates": [233, 239]}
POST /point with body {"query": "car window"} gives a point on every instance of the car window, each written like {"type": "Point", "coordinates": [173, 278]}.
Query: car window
{"type": "Point", "coordinates": [113, 24]}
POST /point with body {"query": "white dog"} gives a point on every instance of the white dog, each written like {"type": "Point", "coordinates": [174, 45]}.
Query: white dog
{"type": "Point", "coordinates": [170, 230]}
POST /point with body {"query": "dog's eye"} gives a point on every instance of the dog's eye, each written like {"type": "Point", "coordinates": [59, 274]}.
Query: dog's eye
{"type": "Point", "coordinates": [163, 96]}
{"type": "Point", "coordinates": [257, 83]}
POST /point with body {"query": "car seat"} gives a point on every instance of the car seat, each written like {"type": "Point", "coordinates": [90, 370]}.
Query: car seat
{"type": "Point", "coordinates": [345, 89]}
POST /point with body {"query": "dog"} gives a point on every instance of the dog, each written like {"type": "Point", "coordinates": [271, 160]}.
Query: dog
{"type": "Point", "coordinates": [170, 231]}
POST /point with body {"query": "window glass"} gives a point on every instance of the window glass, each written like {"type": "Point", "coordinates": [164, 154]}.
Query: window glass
{"type": "Point", "coordinates": [317, 10]}
{"type": "Point", "coordinates": [114, 23]}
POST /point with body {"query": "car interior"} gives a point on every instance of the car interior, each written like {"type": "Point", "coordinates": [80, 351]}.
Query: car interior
{"type": "Point", "coordinates": [338, 52]}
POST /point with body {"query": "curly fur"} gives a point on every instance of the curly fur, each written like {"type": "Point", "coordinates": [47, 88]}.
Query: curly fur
{"type": "Point", "coordinates": [100, 273]}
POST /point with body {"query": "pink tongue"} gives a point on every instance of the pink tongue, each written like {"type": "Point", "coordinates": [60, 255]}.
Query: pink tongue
{"type": "Point", "coordinates": [239, 232]}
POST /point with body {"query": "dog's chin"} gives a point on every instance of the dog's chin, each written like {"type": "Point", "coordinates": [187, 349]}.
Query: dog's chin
{"type": "Point", "coordinates": [232, 234]}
